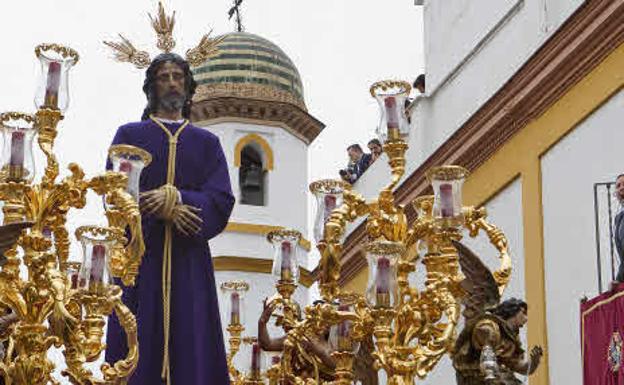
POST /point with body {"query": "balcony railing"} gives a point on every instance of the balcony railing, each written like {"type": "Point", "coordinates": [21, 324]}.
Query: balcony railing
{"type": "Point", "coordinates": [606, 207]}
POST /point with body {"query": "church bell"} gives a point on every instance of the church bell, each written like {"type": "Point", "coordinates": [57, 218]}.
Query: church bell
{"type": "Point", "coordinates": [252, 178]}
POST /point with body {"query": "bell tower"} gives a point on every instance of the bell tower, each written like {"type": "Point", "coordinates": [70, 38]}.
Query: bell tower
{"type": "Point", "coordinates": [251, 96]}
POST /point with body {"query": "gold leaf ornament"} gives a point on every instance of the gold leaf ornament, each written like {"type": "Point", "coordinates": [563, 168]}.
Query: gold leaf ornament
{"type": "Point", "coordinates": [163, 25]}
{"type": "Point", "coordinates": [126, 52]}
{"type": "Point", "coordinates": [207, 48]}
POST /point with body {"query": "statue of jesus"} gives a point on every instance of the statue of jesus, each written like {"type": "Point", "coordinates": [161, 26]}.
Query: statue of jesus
{"type": "Point", "coordinates": [186, 200]}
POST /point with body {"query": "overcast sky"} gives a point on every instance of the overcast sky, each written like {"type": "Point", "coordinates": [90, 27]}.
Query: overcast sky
{"type": "Point", "coordinates": [339, 46]}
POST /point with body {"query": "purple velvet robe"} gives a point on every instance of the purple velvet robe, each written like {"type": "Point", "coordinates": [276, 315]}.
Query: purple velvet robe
{"type": "Point", "coordinates": [196, 348]}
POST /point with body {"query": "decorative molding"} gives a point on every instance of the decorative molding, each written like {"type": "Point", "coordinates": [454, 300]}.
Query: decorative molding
{"type": "Point", "coordinates": [255, 265]}
{"type": "Point", "coordinates": [246, 91]}
{"type": "Point", "coordinates": [294, 119]}
{"type": "Point", "coordinates": [593, 32]}
{"type": "Point", "coordinates": [520, 156]}
{"type": "Point", "coordinates": [267, 151]}
{"type": "Point", "coordinates": [252, 228]}
{"type": "Point", "coordinates": [258, 122]}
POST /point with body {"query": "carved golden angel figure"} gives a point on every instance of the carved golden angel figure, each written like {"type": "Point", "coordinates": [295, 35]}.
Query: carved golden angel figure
{"type": "Point", "coordinates": [306, 352]}
{"type": "Point", "coordinates": [488, 349]}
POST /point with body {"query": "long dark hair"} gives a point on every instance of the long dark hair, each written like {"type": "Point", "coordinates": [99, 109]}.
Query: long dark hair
{"type": "Point", "coordinates": [509, 308]}
{"type": "Point", "coordinates": [149, 86]}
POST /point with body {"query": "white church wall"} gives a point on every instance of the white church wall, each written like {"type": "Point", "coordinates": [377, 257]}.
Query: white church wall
{"type": "Point", "coordinates": [505, 211]}
{"type": "Point", "coordinates": [285, 205]}
{"type": "Point", "coordinates": [287, 183]}
{"type": "Point", "coordinates": [512, 39]}
{"type": "Point", "coordinates": [242, 245]}
{"type": "Point", "coordinates": [376, 177]}
{"type": "Point", "coordinates": [469, 55]}
{"type": "Point", "coordinates": [455, 28]}
{"type": "Point", "coordinates": [591, 153]}
{"type": "Point", "coordinates": [555, 12]}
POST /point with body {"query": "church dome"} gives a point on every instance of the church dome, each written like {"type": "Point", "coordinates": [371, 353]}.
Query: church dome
{"type": "Point", "coordinates": [249, 66]}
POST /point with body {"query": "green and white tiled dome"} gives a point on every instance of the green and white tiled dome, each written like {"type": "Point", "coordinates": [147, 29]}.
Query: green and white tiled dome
{"type": "Point", "coordinates": [249, 66]}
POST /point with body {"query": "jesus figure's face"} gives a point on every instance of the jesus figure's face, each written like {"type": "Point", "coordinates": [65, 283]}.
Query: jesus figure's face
{"type": "Point", "coordinates": [170, 89]}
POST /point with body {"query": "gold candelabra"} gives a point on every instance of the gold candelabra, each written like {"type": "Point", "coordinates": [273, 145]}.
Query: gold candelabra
{"type": "Point", "coordinates": [287, 270]}
{"type": "Point", "coordinates": [235, 292]}
{"type": "Point", "coordinates": [59, 302]}
{"type": "Point", "coordinates": [412, 327]}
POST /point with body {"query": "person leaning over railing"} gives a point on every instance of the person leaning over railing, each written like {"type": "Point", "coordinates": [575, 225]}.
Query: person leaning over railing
{"type": "Point", "coordinates": [359, 161]}
{"type": "Point", "coordinates": [618, 229]}
{"type": "Point", "coordinates": [348, 174]}
{"type": "Point", "coordinates": [375, 147]}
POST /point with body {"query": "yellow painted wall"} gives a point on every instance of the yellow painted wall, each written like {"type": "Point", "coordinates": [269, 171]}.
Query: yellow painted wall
{"type": "Point", "coordinates": [521, 156]}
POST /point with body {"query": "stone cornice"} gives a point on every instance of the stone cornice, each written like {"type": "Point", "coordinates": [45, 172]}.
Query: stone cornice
{"type": "Point", "coordinates": [293, 118]}
{"type": "Point", "coordinates": [580, 44]}
{"type": "Point", "coordinates": [246, 91]}
{"type": "Point", "coordinates": [262, 230]}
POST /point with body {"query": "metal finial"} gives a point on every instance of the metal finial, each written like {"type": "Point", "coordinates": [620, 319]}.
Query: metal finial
{"type": "Point", "coordinates": [236, 10]}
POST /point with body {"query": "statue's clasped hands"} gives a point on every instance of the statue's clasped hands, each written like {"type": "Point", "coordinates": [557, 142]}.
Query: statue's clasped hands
{"type": "Point", "coordinates": [164, 202]}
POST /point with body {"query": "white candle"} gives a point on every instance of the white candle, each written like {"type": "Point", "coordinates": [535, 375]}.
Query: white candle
{"type": "Point", "coordinates": [392, 112]}
{"type": "Point", "coordinates": [383, 282]}
{"type": "Point", "coordinates": [17, 148]}
{"type": "Point", "coordinates": [255, 360]}
{"type": "Point", "coordinates": [235, 310]}
{"type": "Point", "coordinates": [98, 260]}
{"type": "Point", "coordinates": [344, 332]}
{"type": "Point", "coordinates": [330, 205]}
{"type": "Point", "coordinates": [286, 268]}
{"type": "Point", "coordinates": [53, 85]}
{"type": "Point", "coordinates": [16, 161]}
{"type": "Point", "coordinates": [446, 200]}
{"type": "Point", "coordinates": [126, 167]}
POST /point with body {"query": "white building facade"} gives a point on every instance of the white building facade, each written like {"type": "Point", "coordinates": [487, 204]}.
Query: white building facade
{"type": "Point", "coordinates": [527, 94]}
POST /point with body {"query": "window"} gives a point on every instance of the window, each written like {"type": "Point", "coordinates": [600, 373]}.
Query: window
{"type": "Point", "coordinates": [254, 158]}
{"type": "Point", "coordinates": [251, 176]}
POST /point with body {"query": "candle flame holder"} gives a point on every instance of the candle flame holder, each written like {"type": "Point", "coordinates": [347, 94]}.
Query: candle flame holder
{"type": "Point", "coordinates": [408, 329]}
{"type": "Point", "coordinates": [58, 302]}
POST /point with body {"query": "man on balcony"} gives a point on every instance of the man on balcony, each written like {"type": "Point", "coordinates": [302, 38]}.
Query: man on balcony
{"type": "Point", "coordinates": [360, 162]}
{"type": "Point", "coordinates": [618, 227]}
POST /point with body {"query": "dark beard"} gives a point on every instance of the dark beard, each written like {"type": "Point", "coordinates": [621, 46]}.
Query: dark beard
{"type": "Point", "coordinates": [172, 102]}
